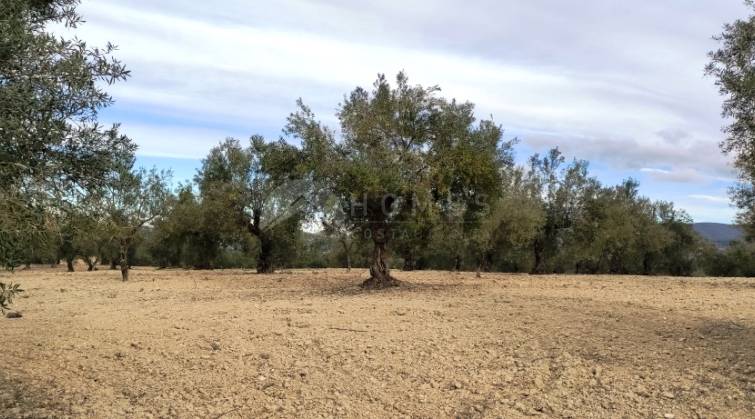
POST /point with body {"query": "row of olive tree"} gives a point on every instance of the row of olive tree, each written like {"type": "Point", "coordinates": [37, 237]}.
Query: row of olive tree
{"type": "Point", "coordinates": [406, 154]}
{"type": "Point", "coordinates": [419, 181]}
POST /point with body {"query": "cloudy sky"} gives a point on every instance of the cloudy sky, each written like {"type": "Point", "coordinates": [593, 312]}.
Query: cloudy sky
{"type": "Point", "coordinates": [618, 83]}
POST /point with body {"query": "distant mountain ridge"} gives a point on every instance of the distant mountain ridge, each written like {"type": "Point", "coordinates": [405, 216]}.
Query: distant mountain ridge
{"type": "Point", "coordinates": [719, 234]}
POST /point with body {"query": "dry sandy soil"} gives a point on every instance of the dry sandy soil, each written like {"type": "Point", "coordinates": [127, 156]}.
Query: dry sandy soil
{"type": "Point", "coordinates": [234, 344]}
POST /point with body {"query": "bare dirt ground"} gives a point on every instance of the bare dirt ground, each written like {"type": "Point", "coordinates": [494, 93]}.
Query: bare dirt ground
{"type": "Point", "coordinates": [234, 344]}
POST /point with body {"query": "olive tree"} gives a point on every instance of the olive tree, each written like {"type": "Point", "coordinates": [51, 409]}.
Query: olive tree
{"type": "Point", "coordinates": [51, 89]}
{"type": "Point", "coordinates": [130, 200]}
{"type": "Point", "coordinates": [261, 188]}
{"type": "Point", "coordinates": [733, 68]}
{"type": "Point", "coordinates": [388, 162]}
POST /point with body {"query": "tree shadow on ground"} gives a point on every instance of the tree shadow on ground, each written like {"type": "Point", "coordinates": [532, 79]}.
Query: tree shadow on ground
{"type": "Point", "coordinates": [20, 399]}
{"type": "Point", "coordinates": [405, 288]}
{"type": "Point", "coordinates": [732, 346]}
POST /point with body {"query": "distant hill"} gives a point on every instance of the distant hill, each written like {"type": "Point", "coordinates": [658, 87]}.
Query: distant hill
{"type": "Point", "coordinates": [719, 234]}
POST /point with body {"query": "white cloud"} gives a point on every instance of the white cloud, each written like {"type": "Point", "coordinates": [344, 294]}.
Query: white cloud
{"type": "Point", "coordinates": [712, 199]}
{"type": "Point", "coordinates": [176, 141]}
{"type": "Point", "coordinates": [683, 176]}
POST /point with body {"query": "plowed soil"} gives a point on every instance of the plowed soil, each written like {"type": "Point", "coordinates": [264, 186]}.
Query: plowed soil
{"type": "Point", "coordinates": [303, 343]}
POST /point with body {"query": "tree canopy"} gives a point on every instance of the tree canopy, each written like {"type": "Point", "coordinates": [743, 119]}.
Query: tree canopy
{"type": "Point", "coordinates": [733, 68]}
{"type": "Point", "coordinates": [262, 186]}
{"type": "Point", "coordinates": [402, 149]}
{"type": "Point", "coordinates": [51, 90]}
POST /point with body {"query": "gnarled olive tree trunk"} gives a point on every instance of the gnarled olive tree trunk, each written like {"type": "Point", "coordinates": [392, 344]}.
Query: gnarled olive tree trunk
{"type": "Point", "coordinates": [457, 263]}
{"type": "Point", "coordinates": [347, 251]}
{"type": "Point", "coordinates": [380, 274]}
{"type": "Point", "coordinates": [538, 248]}
{"type": "Point", "coordinates": [267, 243]}
{"type": "Point", "coordinates": [265, 256]}
{"type": "Point", "coordinates": [124, 246]}
{"type": "Point", "coordinates": [91, 263]}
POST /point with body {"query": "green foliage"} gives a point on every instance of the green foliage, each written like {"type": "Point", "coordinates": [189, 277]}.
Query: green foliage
{"type": "Point", "coordinates": [552, 218]}
{"type": "Point", "coordinates": [336, 225]}
{"type": "Point", "coordinates": [737, 260]}
{"type": "Point", "coordinates": [7, 293]}
{"type": "Point", "coordinates": [92, 241]}
{"type": "Point", "coordinates": [52, 150]}
{"type": "Point", "coordinates": [468, 171]}
{"type": "Point", "coordinates": [22, 227]}
{"type": "Point", "coordinates": [11, 252]}
{"type": "Point", "coordinates": [50, 93]}
{"type": "Point", "coordinates": [260, 190]}
{"type": "Point", "coordinates": [190, 234]}
{"type": "Point", "coordinates": [323, 251]}
{"type": "Point", "coordinates": [404, 149]}
{"type": "Point", "coordinates": [130, 200]}
{"type": "Point", "coordinates": [562, 190]}
{"type": "Point", "coordinates": [409, 171]}
{"type": "Point", "coordinates": [510, 227]}
{"type": "Point", "coordinates": [733, 68]}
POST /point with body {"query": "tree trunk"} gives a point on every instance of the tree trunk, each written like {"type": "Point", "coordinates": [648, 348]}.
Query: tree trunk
{"type": "Point", "coordinates": [69, 264]}
{"type": "Point", "coordinates": [347, 251]}
{"type": "Point", "coordinates": [487, 262]}
{"type": "Point", "coordinates": [537, 248]}
{"type": "Point", "coordinates": [265, 256]}
{"type": "Point", "coordinates": [380, 275]}
{"type": "Point", "coordinates": [457, 263]}
{"type": "Point", "coordinates": [91, 264]}
{"type": "Point", "coordinates": [409, 262]}
{"type": "Point", "coordinates": [647, 266]}
{"type": "Point", "coordinates": [124, 260]}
